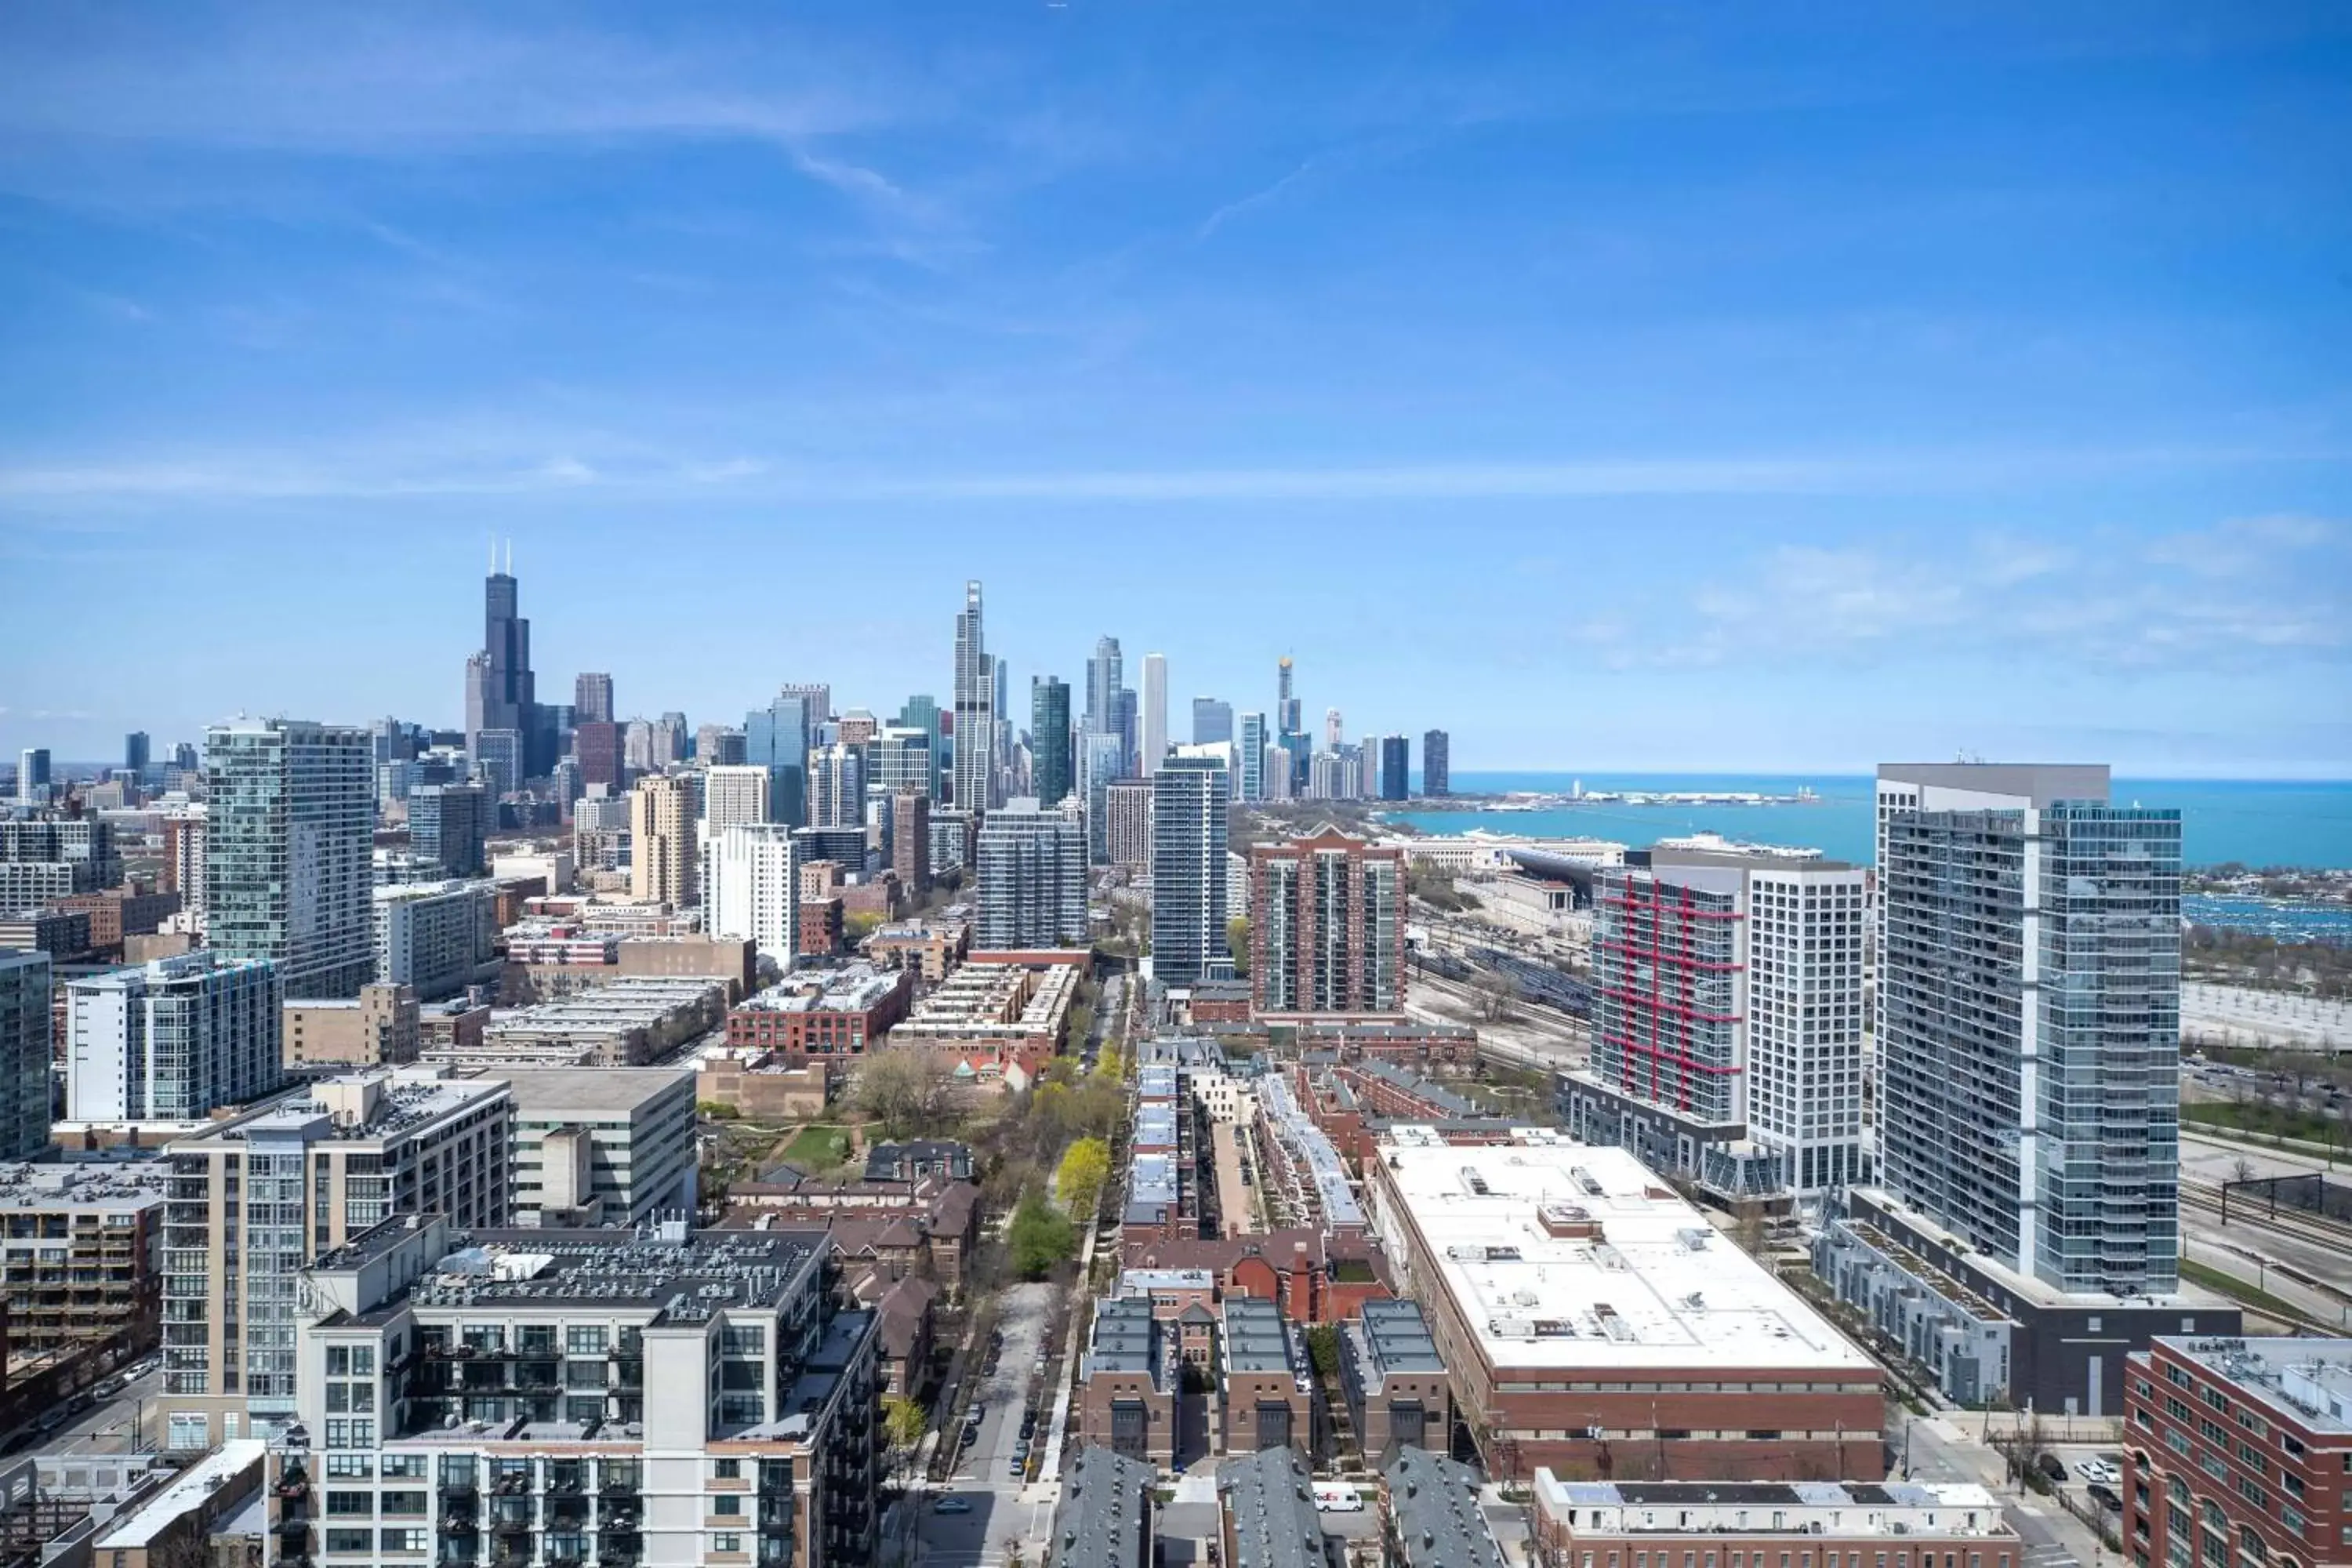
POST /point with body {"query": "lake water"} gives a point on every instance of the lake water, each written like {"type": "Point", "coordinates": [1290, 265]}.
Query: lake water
{"type": "Point", "coordinates": [2257, 822]}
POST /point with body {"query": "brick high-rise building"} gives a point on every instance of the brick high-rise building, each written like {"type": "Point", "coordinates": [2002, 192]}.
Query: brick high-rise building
{"type": "Point", "coordinates": [1327, 927]}
{"type": "Point", "coordinates": [597, 744]}
{"type": "Point", "coordinates": [910, 839]}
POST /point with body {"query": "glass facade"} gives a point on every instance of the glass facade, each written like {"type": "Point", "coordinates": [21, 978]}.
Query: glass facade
{"type": "Point", "coordinates": [288, 851]}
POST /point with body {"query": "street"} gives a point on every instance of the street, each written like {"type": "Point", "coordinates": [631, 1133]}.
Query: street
{"type": "Point", "coordinates": [1940, 1451]}
{"type": "Point", "coordinates": [985, 1474]}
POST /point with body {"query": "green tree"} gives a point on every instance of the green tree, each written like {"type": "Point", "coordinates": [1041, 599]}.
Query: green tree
{"type": "Point", "coordinates": [1039, 1237]}
{"type": "Point", "coordinates": [861, 925]}
{"type": "Point", "coordinates": [1237, 943]}
{"type": "Point", "coordinates": [904, 1421]}
{"type": "Point", "coordinates": [1078, 1181]}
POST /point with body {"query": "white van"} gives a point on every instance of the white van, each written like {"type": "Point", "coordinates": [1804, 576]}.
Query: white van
{"type": "Point", "coordinates": [1333, 1498]}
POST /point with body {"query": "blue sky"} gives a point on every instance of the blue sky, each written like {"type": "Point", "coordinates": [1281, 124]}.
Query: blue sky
{"type": "Point", "coordinates": [1617, 386]}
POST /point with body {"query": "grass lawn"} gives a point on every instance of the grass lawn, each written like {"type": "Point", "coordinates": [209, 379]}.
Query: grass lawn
{"type": "Point", "coordinates": [2263, 1121]}
{"type": "Point", "coordinates": [2246, 1295]}
{"type": "Point", "coordinates": [818, 1148]}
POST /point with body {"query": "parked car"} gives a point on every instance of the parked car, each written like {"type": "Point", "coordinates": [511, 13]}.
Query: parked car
{"type": "Point", "coordinates": [2098, 1470]}
{"type": "Point", "coordinates": [2104, 1496]}
{"type": "Point", "coordinates": [951, 1503]}
{"type": "Point", "coordinates": [2051, 1467]}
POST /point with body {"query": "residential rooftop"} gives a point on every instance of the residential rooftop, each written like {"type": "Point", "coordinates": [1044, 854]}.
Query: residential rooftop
{"type": "Point", "coordinates": [614, 1008]}
{"type": "Point", "coordinates": [605, 1091]}
{"type": "Point", "coordinates": [1561, 1254]}
{"type": "Point", "coordinates": [192, 1488]}
{"type": "Point", "coordinates": [2308, 1381]}
{"type": "Point", "coordinates": [93, 1186]}
{"type": "Point", "coordinates": [1125, 1337]}
{"type": "Point", "coordinates": [1809, 1509]}
{"type": "Point", "coordinates": [1308, 1145]}
{"type": "Point", "coordinates": [1433, 1504]}
{"type": "Point", "coordinates": [1105, 1513]}
{"type": "Point", "coordinates": [677, 1276]}
{"type": "Point", "coordinates": [1396, 1337]}
{"type": "Point", "coordinates": [1257, 1338]}
{"type": "Point", "coordinates": [384, 1104]}
{"type": "Point", "coordinates": [1270, 1499]}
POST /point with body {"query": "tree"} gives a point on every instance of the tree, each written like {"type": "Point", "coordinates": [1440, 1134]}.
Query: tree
{"type": "Point", "coordinates": [1498, 995]}
{"type": "Point", "coordinates": [1039, 1237]}
{"type": "Point", "coordinates": [1079, 1181]}
{"type": "Point", "coordinates": [1110, 1063]}
{"type": "Point", "coordinates": [861, 925]}
{"type": "Point", "coordinates": [904, 1421]}
{"type": "Point", "coordinates": [909, 1089]}
{"type": "Point", "coordinates": [1237, 943]}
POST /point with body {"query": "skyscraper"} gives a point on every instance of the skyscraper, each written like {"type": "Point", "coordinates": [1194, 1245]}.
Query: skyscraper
{"type": "Point", "coordinates": [1396, 768]}
{"type": "Point", "coordinates": [1126, 834]}
{"type": "Point", "coordinates": [1435, 781]}
{"type": "Point", "coordinates": [817, 695]}
{"type": "Point", "coordinates": [1253, 747]}
{"type": "Point", "coordinates": [1327, 927]}
{"type": "Point", "coordinates": [592, 699]}
{"type": "Point", "coordinates": [1049, 738]}
{"type": "Point", "coordinates": [1213, 720]}
{"type": "Point", "coordinates": [288, 851]}
{"type": "Point", "coordinates": [447, 824]}
{"type": "Point", "coordinates": [734, 793]}
{"type": "Point", "coordinates": [754, 892]}
{"type": "Point", "coordinates": [837, 786]}
{"type": "Point", "coordinates": [1285, 704]}
{"type": "Point", "coordinates": [921, 712]}
{"type": "Point", "coordinates": [1105, 674]}
{"type": "Point", "coordinates": [1101, 759]}
{"type": "Point", "coordinates": [24, 1053]}
{"type": "Point", "coordinates": [1031, 880]}
{"type": "Point", "coordinates": [33, 774]}
{"type": "Point", "coordinates": [2029, 1019]}
{"type": "Point", "coordinates": [910, 839]}
{"type": "Point", "coordinates": [1152, 725]}
{"type": "Point", "coordinates": [661, 838]}
{"type": "Point", "coordinates": [975, 707]}
{"type": "Point", "coordinates": [1727, 1008]}
{"type": "Point", "coordinates": [598, 747]}
{"type": "Point", "coordinates": [135, 752]}
{"type": "Point", "coordinates": [499, 691]}
{"type": "Point", "coordinates": [777, 738]}
{"type": "Point", "coordinates": [1188, 870]}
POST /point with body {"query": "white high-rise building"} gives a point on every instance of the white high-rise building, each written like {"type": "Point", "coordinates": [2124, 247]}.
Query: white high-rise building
{"type": "Point", "coordinates": [1334, 729]}
{"type": "Point", "coordinates": [1152, 721]}
{"type": "Point", "coordinates": [755, 891]}
{"type": "Point", "coordinates": [172, 1040]}
{"type": "Point", "coordinates": [439, 937]}
{"type": "Point", "coordinates": [975, 709]}
{"type": "Point", "coordinates": [837, 786]}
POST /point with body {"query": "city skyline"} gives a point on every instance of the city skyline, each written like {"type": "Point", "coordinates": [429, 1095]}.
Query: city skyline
{"type": "Point", "coordinates": [1767, 376]}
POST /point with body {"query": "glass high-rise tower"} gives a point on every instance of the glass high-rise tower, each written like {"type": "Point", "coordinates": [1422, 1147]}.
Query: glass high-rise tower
{"type": "Point", "coordinates": [1189, 797]}
{"type": "Point", "coordinates": [1049, 739]}
{"type": "Point", "coordinates": [288, 851]}
{"type": "Point", "coordinates": [2029, 1019]}
{"type": "Point", "coordinates": [975, 707]}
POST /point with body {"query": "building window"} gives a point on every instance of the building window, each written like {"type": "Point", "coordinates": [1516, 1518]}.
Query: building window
{"type": "Point", "coordinates": [723, 1542]}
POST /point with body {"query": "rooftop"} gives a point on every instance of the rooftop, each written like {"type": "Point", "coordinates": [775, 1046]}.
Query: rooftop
{"type": "Point", "coordinates": [1256, 1336]}
{"type": "Point", "coordinates": [1561, 1254]}
{"type": "Point", "coordinates": [1125, 1337]}
{"type": "Point", "coordinates": [2308, 1381]}
{"type": "Point", "coordinates": [679, 1276]}
{"type": "Point", "coordinates": [1397, 1336]}
{"type": "Point", "coordinates": [84, 1186]}
{"type": "Point", "coordinates": [1810, 1508]}
{"type": "Point", "coordinates": [1434, 1501]}
{"type": "Point", "coordinates": [1271, 1503]}
{"type": "Point", "coordinates": [194, 1486]}
{"type": "Point", "coordinates": [616, 1006]}
{"type": "Point", "coordinates": [1105, 1513]}
{"type": "Point", "coordinates": [610, 1091]}
{"type": "Point", "coordinates": [384, 1104]}
{"type": "Point", "coordinates": [859, 988]}
{"type": "Point", "coordinates": [1307, 1143]}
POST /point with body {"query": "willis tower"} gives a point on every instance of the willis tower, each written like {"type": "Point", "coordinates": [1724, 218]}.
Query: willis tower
{"type": "Point", "coordinates": [506, 731]}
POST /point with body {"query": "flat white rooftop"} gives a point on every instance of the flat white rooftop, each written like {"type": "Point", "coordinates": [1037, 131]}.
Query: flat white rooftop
{"type": "Point", "coordinates": [1659, 1288]}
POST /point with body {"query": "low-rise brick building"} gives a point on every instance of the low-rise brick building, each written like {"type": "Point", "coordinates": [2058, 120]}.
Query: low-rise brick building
{"type": "Point", "coordinates": [1266, 1386]}
{"type": "Point", "coordinates": [1129, 1384]}
{"type": "Point", "coordinates": [1394, 1381]}
{"type": "Point", "coordinates": [1771, 1524]}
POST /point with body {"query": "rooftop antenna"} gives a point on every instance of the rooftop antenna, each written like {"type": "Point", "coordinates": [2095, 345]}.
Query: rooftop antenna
{"type": "Point", "coordinates": [510, 557]}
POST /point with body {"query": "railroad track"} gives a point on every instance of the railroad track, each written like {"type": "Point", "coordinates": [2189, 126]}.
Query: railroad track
{"type": "Point", "coordinates": [2319, 1230]}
